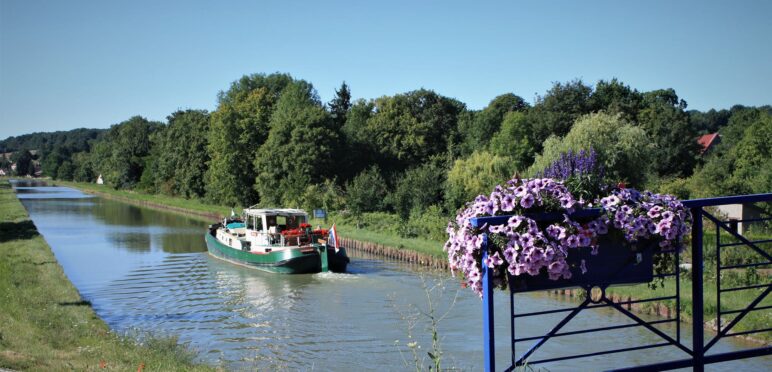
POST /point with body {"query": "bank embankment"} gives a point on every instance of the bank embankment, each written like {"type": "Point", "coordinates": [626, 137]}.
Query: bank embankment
{"type": "Point", "coordinates": [44, 323]}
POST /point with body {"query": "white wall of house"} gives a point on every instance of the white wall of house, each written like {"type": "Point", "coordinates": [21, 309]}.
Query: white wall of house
{"type": "Point", "coordinates": [740, 212]}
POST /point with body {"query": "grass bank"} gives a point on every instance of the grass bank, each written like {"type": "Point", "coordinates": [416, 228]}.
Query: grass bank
{"type": "Point", "coordinates": [736, 300]}
{"type": "Point", "coordinates": [423, 246]}
{"type": "Point", "coordinates": [46, 325]}
{"type": "Point", "coordinates": [344, 226]}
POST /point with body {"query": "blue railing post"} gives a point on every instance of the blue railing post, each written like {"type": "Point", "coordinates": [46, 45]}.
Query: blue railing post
{"type": "Point", "coordinates": [698, 341]}
{"type": "Point", "coordinates": [488, 330]}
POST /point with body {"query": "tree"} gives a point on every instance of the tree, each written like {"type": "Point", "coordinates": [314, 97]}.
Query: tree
{"type": "Point", "coordinates": [709, 121]}
{"type": "Point", "coordinates": [54, 159]}
{"type": "Point", "coordinates": [753, 159]}
{"type": "Point", "coordinates": [24, 164]}
{"type": "Point", "coordinates": [667, 124]}
{"type": "Point", "coordinates": [623, 149]}
{"type": "Point", "coordinates": [5, 164]}
{"type": "Point", "coordinates": [53, 148]}
{"type": "Point", "coordinates": [121, 153]}
{"type": "Point", "coordinates": [408, 129]}
{"type": "Point", "coordinates": [299, 148]}
{"type": "Point", "coordinates": [475, 175]}
{"type": "Point", "coordinates": [740, 120]}
{"type": "Point", "coordinates": [739, 166]}
{"type": "Point", "coordinates": [182, 156]}
{"type": "Point", "coordinates": [84, 167]}
{"type": "Point", "coordinates": [478, 131]}
{"type": "Point", "coordinates": [66, 171]}
{"type": "Point", "coordinates": [238, 128]}
{"type": "Point", "coordinates": [366, 192]}
{"type": "Point", "coordinates": [514, 140]}
{"type": "Point", "coordinates": [556, 111]}
{"type": "Point", "coordinates": [326, 195]}
{"type": "Point", "coordinates": [357, 155]}
{"type": "Point", "coordinates": [340, 105]}
{"type": "Point", "coordinates": [614, 97]}
{"type": "Point", "coordinates": [76, 139]}
{"type": "Point", "coordinates": [418, 188]}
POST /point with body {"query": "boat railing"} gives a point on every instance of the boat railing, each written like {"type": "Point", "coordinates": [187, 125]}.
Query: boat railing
{"type": "Point", "coordinates": [285, 240]}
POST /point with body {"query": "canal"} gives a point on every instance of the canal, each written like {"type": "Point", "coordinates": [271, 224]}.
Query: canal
{"type": "Point", "coordinates": [147, 272]}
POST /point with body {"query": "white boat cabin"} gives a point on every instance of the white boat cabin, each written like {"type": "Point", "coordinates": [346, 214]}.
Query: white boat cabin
{"type": "Point", "coordinates": [267, 230]}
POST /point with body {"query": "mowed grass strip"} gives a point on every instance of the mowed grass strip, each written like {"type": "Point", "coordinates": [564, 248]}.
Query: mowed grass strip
{"type": "Point", "coordinates": [45, 324]}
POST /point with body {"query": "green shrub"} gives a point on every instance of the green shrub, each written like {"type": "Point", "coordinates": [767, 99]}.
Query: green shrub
{"type": "Point", "coordinates": [427, 224]}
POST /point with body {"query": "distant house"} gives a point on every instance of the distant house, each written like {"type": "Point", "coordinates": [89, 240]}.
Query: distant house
{"type": "Point", "coordinates": [99, 180]}
{"type": "Point", "coordinates": [2, 172]}
{"type": "Point", "coordinates": [708, 141]}
{"type": "Point", "coordinates": [737, 213]}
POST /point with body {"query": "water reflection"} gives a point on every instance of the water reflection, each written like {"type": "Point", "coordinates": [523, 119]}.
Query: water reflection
{"type": "Point", "coordinates": [146, 270]}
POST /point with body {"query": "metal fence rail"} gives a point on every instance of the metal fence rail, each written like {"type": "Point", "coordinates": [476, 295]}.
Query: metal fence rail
{"type": "Point", "coordinates": [695, 353]}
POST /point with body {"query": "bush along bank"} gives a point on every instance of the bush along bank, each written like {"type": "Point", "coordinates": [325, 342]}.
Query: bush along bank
{"type": "Point", "coordinates": [46, 325]}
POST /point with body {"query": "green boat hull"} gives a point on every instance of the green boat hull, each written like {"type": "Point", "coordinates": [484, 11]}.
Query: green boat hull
{"type": "Point", "coordinates": [290, 261]}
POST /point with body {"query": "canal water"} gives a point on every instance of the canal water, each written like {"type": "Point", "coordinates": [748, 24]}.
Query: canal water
{"type": "Point", "coordinates": [147, 272]}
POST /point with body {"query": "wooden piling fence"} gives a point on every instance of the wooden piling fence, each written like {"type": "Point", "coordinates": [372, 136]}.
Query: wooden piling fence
{"type": "Point", "coordinates": [398, 254]}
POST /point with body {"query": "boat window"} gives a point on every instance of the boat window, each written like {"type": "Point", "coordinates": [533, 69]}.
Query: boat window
{"type": "Point", "coordinates": [285, 222]}
{"type": "Point", "coordinates": [293, 222]}
{"type": "Point", "coordinates": [255, 223]}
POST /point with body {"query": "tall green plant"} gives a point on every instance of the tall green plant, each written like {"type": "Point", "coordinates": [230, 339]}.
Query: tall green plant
{"type": "Point", "coordinates": [299, 149]}
{"type": "Point", "coordinates": [475, 175]}
{"type": "Point", "coordinates": [239, 126]}
{"type": "Point", "coordinates": [182, 156]}
{"type": "Point", "coordinates": [366, 192]}
{"type": "Point", "coordinates": [624, 150]}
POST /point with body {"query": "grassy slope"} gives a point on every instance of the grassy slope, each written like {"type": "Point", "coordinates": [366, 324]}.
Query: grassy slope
{"type": "Point", "coordinates": [45, 325]}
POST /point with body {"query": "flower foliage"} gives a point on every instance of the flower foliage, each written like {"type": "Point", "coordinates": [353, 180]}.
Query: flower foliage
{"type": "Point", "coordinates": [647, 215]}
{"type": "Point", "coordinates": [526, 246]}
{"type": "Point", "coordinates": [580, 171]}
{"type": "Point", "coordinates": [570, 164]}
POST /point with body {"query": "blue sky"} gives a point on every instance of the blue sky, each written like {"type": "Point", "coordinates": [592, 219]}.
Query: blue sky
{"type": "Point", "coordinates": [65, 65]}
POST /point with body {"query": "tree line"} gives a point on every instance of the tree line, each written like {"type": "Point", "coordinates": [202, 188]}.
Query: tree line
{"type": "Point", "coordinates": [272, 141]}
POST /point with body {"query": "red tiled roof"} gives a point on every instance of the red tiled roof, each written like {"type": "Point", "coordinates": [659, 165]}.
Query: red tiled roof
{"type": "Point", "coordinates": [706, 141]}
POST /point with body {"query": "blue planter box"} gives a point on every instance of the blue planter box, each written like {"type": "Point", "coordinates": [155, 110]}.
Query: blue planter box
{"type": "Point", "coordinates": [616, 263]}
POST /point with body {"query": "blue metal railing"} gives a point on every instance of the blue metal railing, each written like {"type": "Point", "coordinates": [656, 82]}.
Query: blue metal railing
{"type": "Point", "coordinates": [697, 352]}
